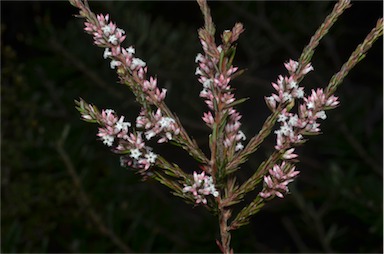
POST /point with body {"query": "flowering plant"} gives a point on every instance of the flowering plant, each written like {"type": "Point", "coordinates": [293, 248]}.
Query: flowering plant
{"type": "Point", "coordinates": [215, 186]}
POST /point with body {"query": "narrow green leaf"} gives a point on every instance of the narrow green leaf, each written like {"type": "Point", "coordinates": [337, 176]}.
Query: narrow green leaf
{"type": "Point", "coordinates": [236, 102]}
{"type": "Point", "coordinates": [231, 53]}
{"type": "Point", "coordinates": [221, 60]}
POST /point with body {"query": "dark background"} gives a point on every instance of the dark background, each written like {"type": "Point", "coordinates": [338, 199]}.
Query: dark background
{"type": "Point", "coordinates": [68, 193]}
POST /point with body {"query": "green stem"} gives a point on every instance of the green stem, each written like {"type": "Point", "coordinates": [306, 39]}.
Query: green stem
{"type": "Point", "coordinates": [225, 234]}
{"type": "Point", "coordinates": [355, 57]}
{"type": "Point", "coordinates": [255, 141]}
{"type": "Point", "coordinates": [308, 51]}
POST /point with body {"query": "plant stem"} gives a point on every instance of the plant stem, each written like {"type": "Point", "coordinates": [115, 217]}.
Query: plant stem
{"type": "Point", "coordinates": [134, 83]}
{"type": "Point", "coordinates": [355, 57]}
{"type": "Point", "coordinates": [225, 234]}
{"type": "Point", "coordinates": [255, 141]}
{"type": "Point", "coordinates": [246, 213]}
{"type": "Point", "coordinates": [308, 51]}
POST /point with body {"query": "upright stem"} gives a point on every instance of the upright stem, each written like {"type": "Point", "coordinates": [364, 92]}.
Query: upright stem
{"type": "Point", "coordinates": [355, 57]}
{"type": "Point", "coordinates": [225, 234]}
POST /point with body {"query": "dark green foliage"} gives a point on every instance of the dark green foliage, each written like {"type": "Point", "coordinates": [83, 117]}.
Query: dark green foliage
{"type": "Point", "coordinates": [48, 61]}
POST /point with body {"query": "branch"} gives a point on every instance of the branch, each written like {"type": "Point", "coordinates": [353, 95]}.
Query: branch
{"type": "Point", "coordinates": [133, 74]}
{"type": "Point", "coordinates": [355, 57]}
{"type": "Point", "coordinates": [305, 59]}
{"type": "Point", "coordinates": [208, 23]}
{"type": "Point", "coordinates": [308, 51]}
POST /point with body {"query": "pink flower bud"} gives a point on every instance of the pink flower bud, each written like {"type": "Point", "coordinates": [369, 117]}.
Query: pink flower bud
{"type": "Point", "coordinates": [307, 69]}
{"type": "Point", "coordinates": [289, 154]}
{"type": "Point", "coordinates": [208, 118]}
{"type": "Point", "coordinates": [291, 66]}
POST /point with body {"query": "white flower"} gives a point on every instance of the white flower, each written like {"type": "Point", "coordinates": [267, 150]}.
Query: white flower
{"type": "Point", "coordinates": [203, 185]}
{"type": "Point", "coordinates": [106, 30]}
{"type": "Point", "coordinates": [109, 111]}
{"type": "Point", "coordinates": [119, 30]}
{"type": "Point", "coordinates": [321, 114]}
{"type": "Point", "coordinates": [299, 92]}
{"type": "Point", "coordinates": [131, 50]}
{"type": "Point", "coordinates": [135, 153]}
{"type": "Point", "coordinates": [107, 53]}
{"type": "Point", "coordinates": [292, 84]}
{"type": "Point", "coordinates": [209, 187]}
{"type": "Point", "coordinates": [207, 83]}
{"type": "Point", "coordinates": [287, 97]}
{"type": "Point", "coordinates": [166, 122]}
{"type": "Point", "coordinates": [241, 135]}
{"type": "Point", "coordinates": [112, 39]}
{"type": "Point", "coordinates": [108, 140]}
{"type": "Point", "coordinates": [121, 125]}
{"type": "Point", "coordinates": [239, 146]}
{"type": "Point", "coordinates": [282, 118]}
{"type": "Point", "coordinates": [204, 93]}
{"type": "Point", "coordinates": [187, 188]}
{"type": "Point", "coordinates": [209, 180]}
{"type": "Point", "coordinates": [198, 71]}
{"type": "Point", "coordinates": [199, 58]}
{"type": "Point", "coordinates": [293, 120]}
{"type": "Point", "coordinates": [151, 157]}
{"type": "Point", "coordinates": [137, 62]}
{"type": "Point", "coordinates": [271, 102]}
{"type": "Point", "coordinates": [286, 129]}
{"type": "Point", "coordinates": [270, 98]}
{"type": "Point", "coordinates": [299, 137]}
{"type": "Point", "coordinates": [278, 132]}
{"type": "Point", "coordinates": [310, 105]}
{"type": "Point", "coordinates": [114, 64]}
{"type": "Point", "coordinates": [149, 134]}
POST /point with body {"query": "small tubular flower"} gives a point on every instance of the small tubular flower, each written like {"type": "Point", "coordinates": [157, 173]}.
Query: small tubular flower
{"type": "Point", "coordinates": [202, 186]}
{"type": "Point", "coordinates": [276, 183]}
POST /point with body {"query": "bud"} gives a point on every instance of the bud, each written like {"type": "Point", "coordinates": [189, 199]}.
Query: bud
{"type": "Point", "coordinates": [121, 71]}
{"type": "Point", "coordinates": [290, 105]}
{"type": "Point", "coordinates": [227, 35]}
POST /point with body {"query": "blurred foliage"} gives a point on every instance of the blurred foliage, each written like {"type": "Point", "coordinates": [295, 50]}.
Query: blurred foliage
{"type": "Point", "coordinates": [48, 61]}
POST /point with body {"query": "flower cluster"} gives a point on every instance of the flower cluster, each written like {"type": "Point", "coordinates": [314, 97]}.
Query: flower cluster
{"type": "Point", "coordinates": [215, 71]}
{"type": "Point", "coordinates": [107, 35]}
{"type": "Point", "coordinates": [132, 71]}
{"type": "Point", "coordinates": [139, 159]}
{"type": "Point", "coordinates": [140, 156]}
{"type": "Point", "coordinates": [294, 126]}
{"type": "Point", "coordinates": [276, 183]}
{"type": "Point", "coordinates": [202, 186]}
{"type": "Point", "coordinates": [216, 89]}
{"type": "Point", "coordinates": [115, 133]}
{"type": "Point", "coordinates": [105, 32]}
{"type": "Point", "coordinates": [156, 124]}
{"type": "Point", "coordinates": [113, 127]}
{"type": "Point", "coordinates": [287, 87]}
